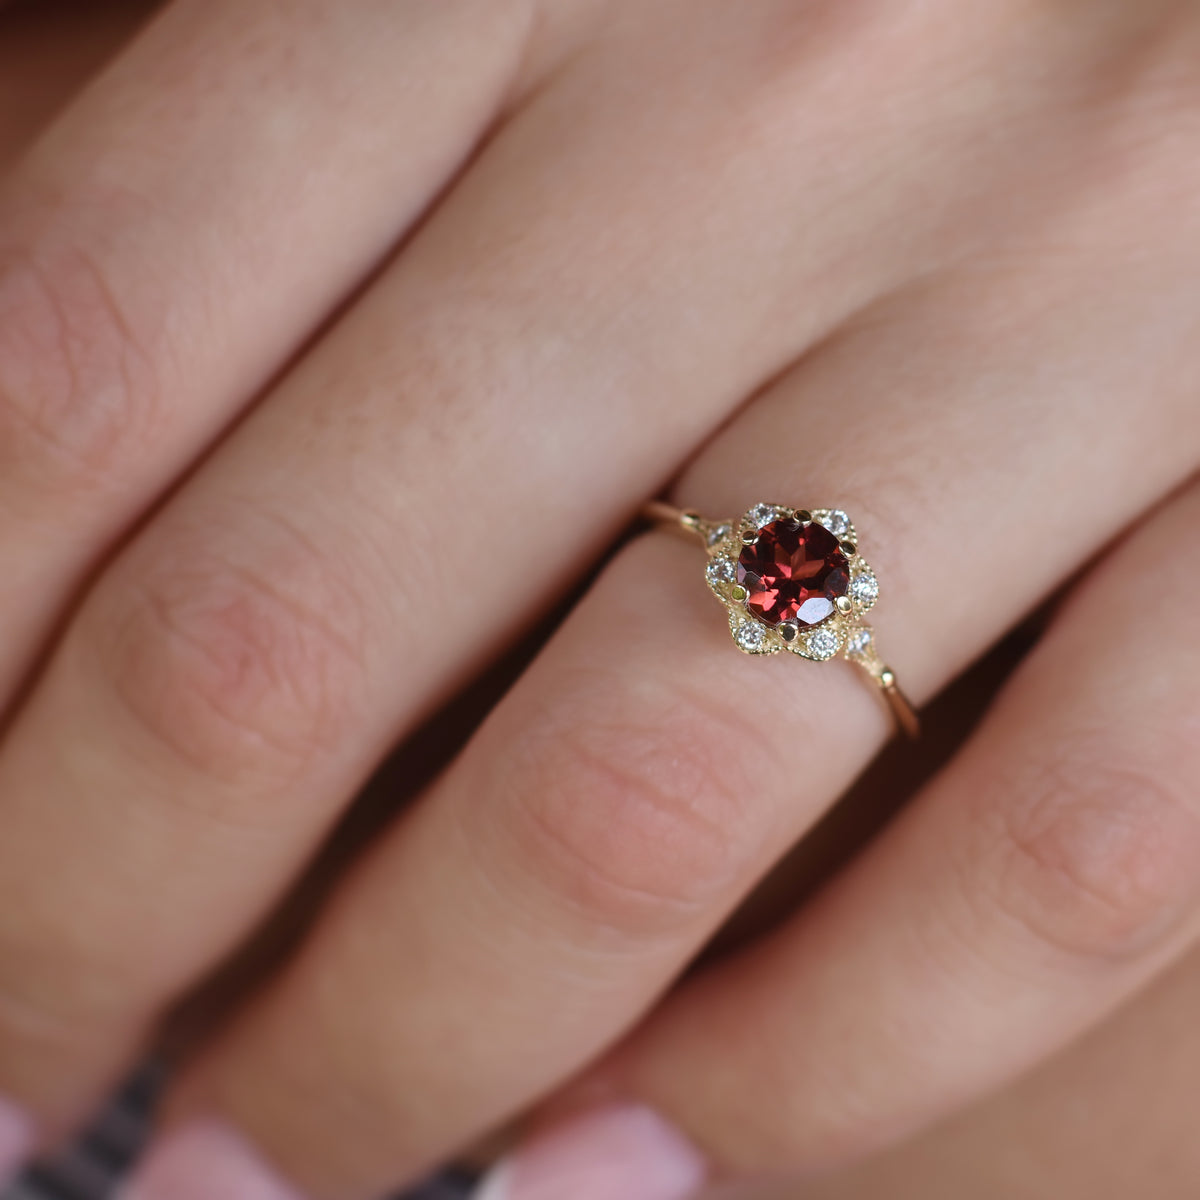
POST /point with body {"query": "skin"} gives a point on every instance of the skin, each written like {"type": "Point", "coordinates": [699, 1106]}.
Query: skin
{"type": "Point", "coordinates": [232, 672]}
{"type": "Point", "coordinates": [1107, 1118]}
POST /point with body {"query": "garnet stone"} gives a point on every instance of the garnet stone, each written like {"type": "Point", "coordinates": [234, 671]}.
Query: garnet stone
{"type": "Point", "coordinates": [794, 572]}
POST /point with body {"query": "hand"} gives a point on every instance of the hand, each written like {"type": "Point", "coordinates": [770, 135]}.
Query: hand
{"type": "Point", "coordinates": [946, 253]}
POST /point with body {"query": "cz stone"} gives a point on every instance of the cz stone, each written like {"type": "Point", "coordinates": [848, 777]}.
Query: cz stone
{"type": "Point", "coordinates": [838, 523]}
{"type": "Point", "coordinates": [865, 588]}
{"type": "Point", "coordinates": [749, 636]}
{"type": "Point", "coordinates": [721, 570]}
{"type": "Point", "coordinates": [859, 641]}
{"type": "Point", "coordinates": [793, 572]}
{"type": "Point", "coordinates": [822, 643]}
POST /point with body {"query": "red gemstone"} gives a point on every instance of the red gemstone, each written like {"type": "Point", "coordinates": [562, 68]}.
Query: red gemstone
{"type": "Point", "coordinates": [793, 572]}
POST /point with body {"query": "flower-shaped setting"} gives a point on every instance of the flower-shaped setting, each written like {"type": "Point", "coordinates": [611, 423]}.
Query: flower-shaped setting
{"type": "Point", "coordinates": [793, 579]}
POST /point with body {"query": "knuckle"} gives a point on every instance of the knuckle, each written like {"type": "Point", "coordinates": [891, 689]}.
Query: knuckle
{"type": "Point", "coordinates": [1095, 858]}
{"type": "Point", "coordinates": [78, 390]}
{"type": "Point", "coordinates": [238, 667]}
{"type": "Point", "coordinates": [639, 824]}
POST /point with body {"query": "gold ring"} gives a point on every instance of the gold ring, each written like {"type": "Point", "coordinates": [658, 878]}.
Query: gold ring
{"type": "Point", "coordinates": [793, 579]}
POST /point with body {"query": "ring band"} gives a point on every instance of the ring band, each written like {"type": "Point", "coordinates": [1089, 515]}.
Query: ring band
{"type": "Point", "coordinates": [793, 579]}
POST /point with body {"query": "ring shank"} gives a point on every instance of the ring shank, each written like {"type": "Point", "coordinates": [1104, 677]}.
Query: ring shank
{"type": "Point", "coordinates": [903, 711]}
{"type": "Point", "coordinates": [677, 520]}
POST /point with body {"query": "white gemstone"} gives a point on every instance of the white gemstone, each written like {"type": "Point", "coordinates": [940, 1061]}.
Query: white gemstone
{"type": "Point", "coordinates": [822, 643]}
{"type": "Point", "coordinates": [763, 514]}
{"type": "Point", "coordinates": [721, 570]}
{"type": "Point", "coordinates": [750, 636]}
{"type": "Point", "coordinates": [837, 522]}
{"type": "Point", "coordinates": [859, 641]}
{"type": "Point", "coordinates": [721, 531]}
{"type": "Point", "coordinates": [864, 587]}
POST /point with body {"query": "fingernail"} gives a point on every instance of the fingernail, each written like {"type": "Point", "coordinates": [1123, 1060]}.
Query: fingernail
{"type": "Point", "coordinates": [205, 1161]}
{"type": "Point", "coordinates": [618, 1153]}
{"type": "Point", "coordinates": [16, 1139]}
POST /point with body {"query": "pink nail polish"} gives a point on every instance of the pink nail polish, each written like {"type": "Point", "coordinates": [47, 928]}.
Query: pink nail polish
{"type": "Point", "coordinates": [618, 1153]}
{"type": "Point", "coordinates": [205, 1161]}
{"type": "Point", "coordinates": [16, 1139]}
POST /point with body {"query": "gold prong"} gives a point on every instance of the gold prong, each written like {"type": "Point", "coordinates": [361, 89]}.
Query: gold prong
{"type": "Point", "coordinates": [844, 604]}
{"type": "Point", "coordinates": [738, 592]}
{"type": "Point", "coordinates": [789, 631]}
{"type": "Point", "coordinates": [749, 537]}
{"type": "Point", "coordinates": [803, 516]}
{"type": "Point", "coordinates": [849, 549]}
{"type": "Point", "coordinates": [887, 678]}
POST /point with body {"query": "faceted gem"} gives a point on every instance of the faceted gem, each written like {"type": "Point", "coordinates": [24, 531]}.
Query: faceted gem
{"type": "Point", "coordinates": [837, 522]}
{"type": "Point", "coordinates": [793, 572]}
{"type": "Point", "coordinates": [865, 588]}
{"type": "Point", "coordinates": [822, 643]}
{"type": "Point", "coordinates": [721, 570]}
{"type": "Point", "coordinates": [750, 636]}
{"type": "Point", "coordinates": [859, 641]}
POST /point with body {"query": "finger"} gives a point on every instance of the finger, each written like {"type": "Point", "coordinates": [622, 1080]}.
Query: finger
{"type": "Point", "coordinates": [1042, 878]}
{"type": "Point", "coordinates": [46, 56]}
{"type": "Point", "coordinates": [347, 556]}
{"type": "Point", "coordinates": [150, 282]}
{"type": "Point", "coordinates": [1096, 1121]}
{"type": "Point", "coordinates": [619, 803]}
